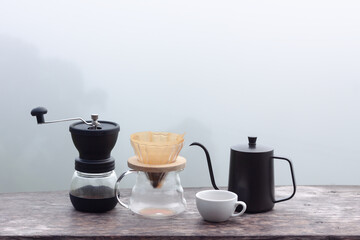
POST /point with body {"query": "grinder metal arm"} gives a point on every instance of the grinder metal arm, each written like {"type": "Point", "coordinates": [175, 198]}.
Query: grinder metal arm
{"type": "Point", "coordinates": [39, 112]}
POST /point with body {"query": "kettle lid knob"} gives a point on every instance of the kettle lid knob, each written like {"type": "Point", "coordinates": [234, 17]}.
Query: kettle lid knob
{"type": "Point", "coordinates": [251, 147]}
{"type": "Point", "coordinates": [252, 141]}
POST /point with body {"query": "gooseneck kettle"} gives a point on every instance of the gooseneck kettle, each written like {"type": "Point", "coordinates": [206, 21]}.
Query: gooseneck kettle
{"type": "Point", "coordinates": [251, 175]}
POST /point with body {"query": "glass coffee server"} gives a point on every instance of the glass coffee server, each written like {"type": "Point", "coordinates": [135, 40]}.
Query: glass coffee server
{"type": "Point", "coordinates": [157, 192]}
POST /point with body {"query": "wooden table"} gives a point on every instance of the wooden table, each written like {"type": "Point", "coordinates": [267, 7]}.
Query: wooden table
{"type": "Point", "coordinates": [316, 212]}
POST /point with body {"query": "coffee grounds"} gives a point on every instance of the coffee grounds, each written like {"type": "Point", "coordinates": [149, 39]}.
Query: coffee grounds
{"type": "Point", "coordinates": [93, 192]}
{"type": "Point", "coordinates": [93, 199]}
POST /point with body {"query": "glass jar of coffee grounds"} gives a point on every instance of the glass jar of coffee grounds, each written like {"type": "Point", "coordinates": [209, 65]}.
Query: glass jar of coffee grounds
{"type": "Point", "coordinates": [93, 192]}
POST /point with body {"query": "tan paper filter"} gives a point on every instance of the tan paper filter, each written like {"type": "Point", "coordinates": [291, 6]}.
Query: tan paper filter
{"type": "Point", "coordinates": [157, 147]}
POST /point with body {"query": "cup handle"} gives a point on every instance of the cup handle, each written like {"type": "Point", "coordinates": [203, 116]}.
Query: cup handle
{"type": "Point", "coordinates": [292, 177]}
{"type": "Point", "coordinates": [117, 192]}
{"type": "Point", "coordinates": [242, 211]}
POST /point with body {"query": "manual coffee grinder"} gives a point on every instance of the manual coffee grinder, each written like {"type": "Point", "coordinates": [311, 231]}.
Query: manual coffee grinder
{"type": "Point", "coordinates": [93, 183]}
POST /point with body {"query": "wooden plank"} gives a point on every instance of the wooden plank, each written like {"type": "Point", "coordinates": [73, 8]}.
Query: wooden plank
{"type": "Point", "coordinates": [316, 212]}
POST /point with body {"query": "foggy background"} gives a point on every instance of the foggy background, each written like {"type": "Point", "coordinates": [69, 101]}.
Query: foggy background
{"type": "Point", "coordinates": [284, 71]}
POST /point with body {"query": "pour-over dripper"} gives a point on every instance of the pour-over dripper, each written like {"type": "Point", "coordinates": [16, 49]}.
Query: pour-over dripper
{"type": "Point", "coordinates": [156, 148]}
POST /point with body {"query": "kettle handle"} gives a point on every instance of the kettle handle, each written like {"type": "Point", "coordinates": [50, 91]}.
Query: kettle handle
{"type": "Point", "coordinates": [292, 177]}
{"type": "Point", "coordinates": [209, 163]}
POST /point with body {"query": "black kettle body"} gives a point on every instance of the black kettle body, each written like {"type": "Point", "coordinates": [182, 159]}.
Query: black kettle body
{"type": "Point", "coordinates": [251, 175]}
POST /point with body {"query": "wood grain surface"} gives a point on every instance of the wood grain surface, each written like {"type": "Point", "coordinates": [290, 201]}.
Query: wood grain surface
{"type": "Point", "coordinates": [316, 212]}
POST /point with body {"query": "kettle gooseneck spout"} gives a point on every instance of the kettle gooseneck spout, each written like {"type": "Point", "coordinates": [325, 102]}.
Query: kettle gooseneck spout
{"type": "Point", "coordinates": [209, 163]}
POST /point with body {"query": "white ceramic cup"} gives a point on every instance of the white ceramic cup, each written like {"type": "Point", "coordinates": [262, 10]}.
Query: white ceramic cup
{"type": "Point", "coordinates": [218, 205]}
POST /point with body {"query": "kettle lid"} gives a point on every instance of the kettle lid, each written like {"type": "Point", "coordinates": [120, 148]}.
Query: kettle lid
{"type": "Point", "coordinates": [251, 147]}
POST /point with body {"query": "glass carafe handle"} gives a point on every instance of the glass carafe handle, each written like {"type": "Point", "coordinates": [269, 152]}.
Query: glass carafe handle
{"type": "Point", "coordinates": [117, 192]}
